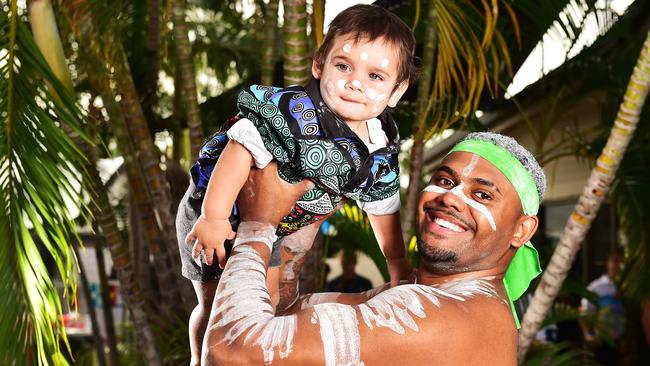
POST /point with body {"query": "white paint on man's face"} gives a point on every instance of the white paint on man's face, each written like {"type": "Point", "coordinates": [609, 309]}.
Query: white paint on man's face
{"type": "Point", "coordinates": [339, 332]}
{"type": "Point", "coordinates": [472, 164]}
{"type": "Point", "coordinates": [458, 191]}
{"type": "Point", "coordinates": [347, 47]}
{"type": "Point", "coordinates": [340, 84]}
{"type": "Point", "coordinates": [363, 56]}
{"type": "Point", "coordinates": [384, 63]}
{"type": "Point", "coordinates": [356, 83]}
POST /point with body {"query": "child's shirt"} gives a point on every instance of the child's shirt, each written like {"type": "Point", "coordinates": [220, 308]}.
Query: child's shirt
{"type": "Point", "coordinates": [297, 129]}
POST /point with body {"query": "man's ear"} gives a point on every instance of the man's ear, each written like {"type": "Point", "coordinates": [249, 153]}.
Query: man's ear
{"type": "Point", "coordinates": [526, 227]}
{"type": "Point", "coordinates": [315, 68]}
{"type": "Point", "coordinates": [397, 93]}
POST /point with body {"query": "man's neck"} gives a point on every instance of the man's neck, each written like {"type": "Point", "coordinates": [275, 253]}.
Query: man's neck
{"type": "Point", "coordinates": [426, 277]}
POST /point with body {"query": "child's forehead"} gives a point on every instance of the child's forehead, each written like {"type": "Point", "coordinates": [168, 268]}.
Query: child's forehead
{"type": "Point", "coordinates": [380, 43]}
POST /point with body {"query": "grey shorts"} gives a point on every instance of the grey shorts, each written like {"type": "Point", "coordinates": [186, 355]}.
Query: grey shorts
{"type": "Point", "coordinates": [189, 211]}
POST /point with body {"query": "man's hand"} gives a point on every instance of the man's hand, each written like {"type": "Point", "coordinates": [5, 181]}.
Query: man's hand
{"type": "Point", "coordinates": [266, 198]}
{"type": "Point", "coordinates": [209, 236]}
{"type": "Point", "coordinates": [400, 270]}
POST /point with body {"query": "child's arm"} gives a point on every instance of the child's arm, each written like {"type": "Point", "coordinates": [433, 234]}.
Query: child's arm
{"type": "Point", "coordinates": [388, 231]}
{"type": "Point", "coordinates": [213, 226]}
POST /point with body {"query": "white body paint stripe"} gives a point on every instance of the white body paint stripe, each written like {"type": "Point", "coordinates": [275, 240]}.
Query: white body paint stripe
{"type": "Point", "coordinates": [339, 332]}
{"type": "Point", "coordinates": [458, 191]}
{"type": "Point", "coordinates": [245, 306]}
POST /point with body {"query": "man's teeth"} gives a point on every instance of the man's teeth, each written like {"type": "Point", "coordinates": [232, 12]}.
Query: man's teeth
{"type": "Point", "coordinates": [448, 225]}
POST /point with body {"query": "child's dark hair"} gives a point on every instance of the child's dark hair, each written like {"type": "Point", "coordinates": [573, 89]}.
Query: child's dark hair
{"type": "Point", "coordinates": [371, 22]}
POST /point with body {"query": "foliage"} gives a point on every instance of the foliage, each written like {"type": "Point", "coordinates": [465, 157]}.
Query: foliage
{"type": "Point", "coordinates": [40, 173]}
{"type": "Point", "coordinates": [353, 230]}
{"type": "Point", "coordinates": [560, 354]}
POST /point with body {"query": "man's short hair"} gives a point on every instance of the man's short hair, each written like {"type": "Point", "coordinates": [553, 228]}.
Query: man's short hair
{"type": "Point", "coordinates": [519, 152]}
{"type": "Point", "coordinates": [370, 22]}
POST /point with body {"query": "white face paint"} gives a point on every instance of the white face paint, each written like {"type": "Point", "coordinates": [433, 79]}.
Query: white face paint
{"type": "Point", "coordinates": [371, 93]}
{"type": "Point", "coordinates": [384, 63]}
{"type": "Point", "coordinates": [458, 191]}
{"type": "Point", "coordinates": [347, 47]}
{"type": "Point", "coordinates": [319, 298]}
{"type": "Point", "coordinates": [339, 332]}
{"type": "Point", "coordinates": [356, 83]}
{"type": "Point", "coordinates": [244, 305]}
{"type": "Point", "coordinates": [340, 84]}
{"type": "Point", "coordinates": [472, 164]}
{"type": "Point", "coordinates": [394, 307]}
{"type": "Point", "coordinates": [363, 56]}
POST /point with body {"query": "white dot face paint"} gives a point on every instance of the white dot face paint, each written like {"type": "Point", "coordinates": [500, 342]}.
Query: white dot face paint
{"type": "Point", "coordinates": [472, 164]}
{"type": "Point", "coordinates": [458, 191]}
{"type": "Point", "coordinates": [356, 83]}
{"type": "Point", "coordinates": [340, 84]}
{"type": "Point", "coordinates": [363, 56]}
{"type": "Point", "coordinates": [347, 47]}
{"type": "Point", "coordinates": [339, 332]}
{"type": "Point", "coordinates": [371, 94]}
{"type": "Point", "coordinates": [384, 63]}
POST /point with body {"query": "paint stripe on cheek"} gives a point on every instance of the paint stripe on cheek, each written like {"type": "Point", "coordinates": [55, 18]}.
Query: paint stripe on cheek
{"type": "Point", "coordinates": [458, 191]}
{"type": "Point", "coordinates": [339, 332]}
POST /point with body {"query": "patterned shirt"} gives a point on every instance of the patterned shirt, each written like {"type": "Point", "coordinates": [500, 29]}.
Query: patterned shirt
{"type": "Point", "coordinates": [308, 141]}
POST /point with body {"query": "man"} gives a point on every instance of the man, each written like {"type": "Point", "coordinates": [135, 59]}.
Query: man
{"type": "Point", "coordinates": [474, 222]}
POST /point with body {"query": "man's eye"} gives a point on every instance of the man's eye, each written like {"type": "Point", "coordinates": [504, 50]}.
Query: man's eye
{"type": "Point", "coordinates": [483, 196]}
{"type": "Point", "coordinates": [343, 67]}
{"type": "Point", "coordinates": [374, 76]}
{"type": "Point", "coordinates": [444, 182]}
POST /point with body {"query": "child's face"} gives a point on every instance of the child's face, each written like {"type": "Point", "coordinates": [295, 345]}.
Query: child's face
{"type": "Point", "coordinates": [358, 80]}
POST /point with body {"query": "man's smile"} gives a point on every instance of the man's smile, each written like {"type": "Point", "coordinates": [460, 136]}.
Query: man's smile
{"type": "Point", "coordinates": [447, 222]}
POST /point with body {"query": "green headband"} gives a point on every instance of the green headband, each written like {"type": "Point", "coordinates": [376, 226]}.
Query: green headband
{"type": "Point", "coordinates": [524, 266]}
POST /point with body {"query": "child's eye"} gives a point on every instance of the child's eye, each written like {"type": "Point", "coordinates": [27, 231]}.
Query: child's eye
{"type": "Point", "coordinates": [342, 67]}
{"type": "Point", "coordinates": [374, 76]}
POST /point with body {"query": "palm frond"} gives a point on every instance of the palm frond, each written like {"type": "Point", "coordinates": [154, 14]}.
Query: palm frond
{"type": "Point", "coordinates": [40, 168]}
{"type": "Point", "coordinates": [471, 54]}
{"type": "Point", "coordinates": [559, 354]}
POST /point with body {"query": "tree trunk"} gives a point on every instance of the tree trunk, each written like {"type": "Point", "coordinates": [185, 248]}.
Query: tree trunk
{"type": "Point", "coordinates": [270, 35]}
{"type": "Point", "coordinates": [103, 213]}
{"type": "Point", "coordinates": [589, 202]}
{"type": "Point", "coordinates": [419, 130]}
{"type": "Point", "coordinates": [153, 49]}
{"type": "Point", "coordinates": [104, 287]}
{"type": "Point", "coordinates": [97, 336]}
{"type": "Point", "coordinates": [187, 89]}
{"type": "Point", "coordinates": [296, 58]}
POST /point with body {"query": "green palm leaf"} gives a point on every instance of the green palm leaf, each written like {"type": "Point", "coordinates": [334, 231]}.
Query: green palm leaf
{"type": "Point", "coordinates": [39, 171]}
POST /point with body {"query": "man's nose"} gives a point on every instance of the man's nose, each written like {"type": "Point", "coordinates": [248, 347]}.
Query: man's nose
{"type": "Point", "coordinates": [453, 199]}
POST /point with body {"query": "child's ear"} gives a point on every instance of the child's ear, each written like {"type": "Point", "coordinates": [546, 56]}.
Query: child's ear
{"type": "Point", "coordinates": [315, 68]}
{"type": "Point", "coordinates": [396, 95]}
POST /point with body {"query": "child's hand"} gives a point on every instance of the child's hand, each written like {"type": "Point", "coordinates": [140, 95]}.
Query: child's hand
{"type": "Point", "coordinates": [209, 236]}
{"type": "Point", "coordinates": [400, 270]}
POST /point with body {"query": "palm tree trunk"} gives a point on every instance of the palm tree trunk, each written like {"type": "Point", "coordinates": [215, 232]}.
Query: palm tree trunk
{"type": "Point", "coordinates": [270, 35]}
{"type": "Point", "coordinates": [589, 202]}
{"type": "Point", "coordinates": [104, 287]}
{"type": "Point", "coordinates": [188, 85]}
{"type": "Point", "coordinates": [103, 214]}
{"type": "Point", "coordinates": [153, 49]}
{"type": "Point", "coordinates": [296, 58]}
{"type": "Point", "coordinates": [419, 130]}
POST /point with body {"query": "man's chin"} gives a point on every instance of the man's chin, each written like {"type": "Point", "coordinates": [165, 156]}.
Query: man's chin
{"type": "Point", "coordinates": [436, 259]}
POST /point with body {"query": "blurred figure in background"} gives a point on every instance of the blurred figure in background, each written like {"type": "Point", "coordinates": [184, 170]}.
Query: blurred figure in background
{"type": "Point", "coordinates": [349, 281]}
